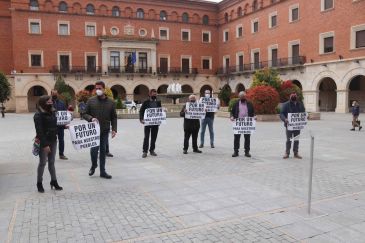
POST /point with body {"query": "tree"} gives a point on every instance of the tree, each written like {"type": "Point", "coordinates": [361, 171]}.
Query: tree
{"type": "Point", "coordinates": [287, 88]}
{"type": "Point", "coordinates": [268, 77]}
{"type": "Point", "coordinates": [225, 94]}
{"type": "Point", "coordinates": [63, 89]}
{"type": "Point", "coordinates": [5, 89]}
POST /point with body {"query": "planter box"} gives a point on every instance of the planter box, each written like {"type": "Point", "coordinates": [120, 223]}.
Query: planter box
{"type": "Point", "coordinates": [314, 116]}
{"type": "Point", "coordinates": [268, 118]}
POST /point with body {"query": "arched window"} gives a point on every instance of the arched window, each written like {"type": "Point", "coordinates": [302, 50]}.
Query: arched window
{"type": "Point", "coordinates": [163, 15]}
{"type": "Point", "coordinates": [33, 5]}
{"type": "Point", "coordinates": [90, 9]}
{"type": "Point", "coordinates": [254, 6]}
{"type": "Point", "coordinates": [62, 7]}
{"type": "Point", "coordinates": [115, 11]}
{"type": "Point", "coordinates": [185, 17]}
{"type": "Point", "coordinates": [205, 19]}
{"type": "Point", "coordinates": [226, 17]}
{"type": "Point", "coordinates": [239, 12]}
{"type": "Point", "coordinates": [140, 13]}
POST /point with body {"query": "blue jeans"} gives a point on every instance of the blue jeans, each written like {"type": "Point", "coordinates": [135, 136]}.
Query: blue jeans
{"type": "Point", "coordinates": [207, 121]}
{"type": "Point", "coordinates": [94, 152]}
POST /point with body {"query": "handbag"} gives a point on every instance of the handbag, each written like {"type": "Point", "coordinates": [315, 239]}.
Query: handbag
{"type": "Point", "coordinates": [36, 146]}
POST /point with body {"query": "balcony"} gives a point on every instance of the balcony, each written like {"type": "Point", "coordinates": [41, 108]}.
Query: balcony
{"type": "Point", "coordinates": [130, 69]}
{"type": "Point", "coordinates": [251, 67]}
{"type": "Point", "coordinates": [177, 70]}
{"type": "Point", "coordinates": [76, 70]}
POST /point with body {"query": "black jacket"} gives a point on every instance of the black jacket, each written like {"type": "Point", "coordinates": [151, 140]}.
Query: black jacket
{"type": "Point", "coordinates": [46, 127]}
{"type": "Point", "coordinates": [190, 124]}
{"type": "Point", "coordinates": [291, 107]}
{"type": "Point", "coordinates": [104, 111]}
{"type": "Point", "coordinates": [235, 109]}
{"type": "Point", "coordinates": [146, 105]}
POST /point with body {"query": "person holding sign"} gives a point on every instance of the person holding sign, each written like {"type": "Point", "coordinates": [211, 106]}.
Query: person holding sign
{"type": "Point", "coordinates": [152, 102]}
{"type": "Point", "coordinates": [355, 115]}
{"type": "Point", "coordinates": [191, 123]}
{"type": "Point", "coordinates": [291, 106]}
{"type": "Point", "coordinates": [212, 105]}
{"type": "Point", "coordinates": [45, 122]}
{"type": "Point", "coordinates": [241, 109]}
{"type": "Point", "coordinates": [59, 106]}
{"type": "Point", "coordinates": [101, 109]}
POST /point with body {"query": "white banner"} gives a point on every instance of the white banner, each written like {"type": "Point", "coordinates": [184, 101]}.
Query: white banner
{"type": "Point", "coordinates": [297, 121]}
{"type": "Point", "coordinates": [195, 110]}
{"type": "Point", "coordinates": [245, 125]}
{"type": "Point", "coordinates": [63, 118]}
{"type": "Point", "coordinates": [85, 135]}
{"type": "Point", "coordinates": [154, 116]}
{"type": "Point", "coordinates": [211, 104]}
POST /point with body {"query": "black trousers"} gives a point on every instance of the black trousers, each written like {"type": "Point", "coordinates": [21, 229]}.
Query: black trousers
{"type": "Point", "coordinates": [237, 140]}
{"type": "Point", "coordinates": [153, 130]}
{"type": "Point", "coordinates": [61, 140]}
{"type": "Point", "coordinates": [194, 135]}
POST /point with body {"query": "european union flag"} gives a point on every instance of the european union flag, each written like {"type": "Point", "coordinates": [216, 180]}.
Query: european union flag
{"type": "Point", "coordinates": [134, 58]}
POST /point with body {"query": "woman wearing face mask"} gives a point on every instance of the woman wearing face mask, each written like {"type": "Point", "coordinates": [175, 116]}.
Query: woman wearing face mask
{"type": "Point", "coordinates": [45, 122]}
{"type": "Point", "coordinates": [355, 115]}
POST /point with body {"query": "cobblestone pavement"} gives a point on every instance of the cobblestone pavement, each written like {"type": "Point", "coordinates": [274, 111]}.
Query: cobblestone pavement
{"type": "Point", "coordinates": [209, 197]}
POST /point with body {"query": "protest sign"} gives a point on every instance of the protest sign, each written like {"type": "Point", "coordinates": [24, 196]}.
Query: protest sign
{"type": "Point", "coordinates": [63, 118]}
{"type": "Point", "coordinates": [211, 104]}
{"type": "Point", "coordinates": [245, 125]}
{"type": "Point", "coordinates": [297, 121]}
{"type": "Point", "coordinates": [195, 110]}
{"type": "Point", "coordinates": [154, 116]}
{"type": "Point", "coordinates": [85, 135]}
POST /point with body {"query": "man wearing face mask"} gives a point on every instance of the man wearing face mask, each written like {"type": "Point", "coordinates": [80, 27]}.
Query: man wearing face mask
{"type": "Point", "coordinates": [152, 102]}
{"type": "Point", "coordinates": [59, 106]}
{"type": "Point", "coordinates": [241, 109]}
{"type": "Point", "coordinates": [101, 109]}
{"type": "Point", "coordinates": [191, 129]}
{"type": "Point", "coordinates": [208, 120]}
{"type": "Point", "coordinates": [291, 106]}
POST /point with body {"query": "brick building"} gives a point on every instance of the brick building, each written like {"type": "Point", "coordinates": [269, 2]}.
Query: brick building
{"type": "Point", "coordinates": [137, 45]}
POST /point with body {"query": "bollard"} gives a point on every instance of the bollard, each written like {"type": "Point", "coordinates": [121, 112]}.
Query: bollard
{"type": "Point", "coordinates": [310, 175]}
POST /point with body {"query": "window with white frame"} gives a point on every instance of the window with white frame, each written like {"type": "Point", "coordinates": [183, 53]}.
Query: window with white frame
{"type": "Point", "coordinates": [186, 64]}
{"type": "Point", "coordinates": [294, 52]}
{"type": "Point", "coordinates": [327, 4]}
{"type": "Point", "coordinates": [326, 42]}
{"type": "Point", "coordinates": [164, 33]}
{"type": "Point", "coordinates": [35, 58]}
{"type": "Point", "coordinates": [357, 36]}
{"type": "Point", "coordinates": [272, 52]}
{"type": "Point", "coordinates": [226, 63]}
{"type": "Point", "coordinates": [255, 25]}
{"type": "Point", "coordinates": [63, 28]}
{"type": "Point", "coordinates": [206, 36]}
{"type": "Point", "coordinates": [294, 13]}
{"type": "Point", "coordinates": [90, 29]}
{"type": "Point", "coordinates": [273, 20]}
{"type": "Point", "coordinates": [255, 58]}
{"type": "Point", "coordinates": [239, 61]}
{"type": "Point", "coordinates": [206, 63]}
{"type": "Point", "coordinates": [34, 26]}
{"type": "Point", "coordinates": [239, 31]}
{"type": "Point", "coordinates": [91, 61]}
{"type": "Point", "coordinates": [185, 35]}
{"type": "Point", "coordinates": [225, 35]}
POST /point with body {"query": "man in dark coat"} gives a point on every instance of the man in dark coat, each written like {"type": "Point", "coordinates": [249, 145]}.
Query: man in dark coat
{"type": "Point", "coordinates": [291, 106]}
{"type": "Point", "coordinates": [242, 108]}
{"type": "Point", "coordinates": [191, 128]}
{"type": "Point", "coordinates": [59, 105]}
{"type": "Point", "coordinates": [101, 109]}
{"type": "Point", "coordinates": [152, 102]}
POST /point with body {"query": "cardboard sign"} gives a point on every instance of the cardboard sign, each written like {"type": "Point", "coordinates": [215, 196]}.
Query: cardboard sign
{"type": "Point", "coordinates": [211, 104]}
{"type": "Point", "coordinates": [63, 118]}
{"type": "Point", "coordinates": [297, 121]}
{"type": "Point", "coordinates": [245, 125]}
{"type": "Point", "coordinates": [154, 116]}
{"type": "Point", "coordinates": [195, 110]}
{"type": "Point", "coordinates": [85, 135]}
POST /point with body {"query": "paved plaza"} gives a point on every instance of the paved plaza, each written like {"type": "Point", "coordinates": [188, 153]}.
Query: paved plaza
{"type": "Point", "coordinates": [208, 197]}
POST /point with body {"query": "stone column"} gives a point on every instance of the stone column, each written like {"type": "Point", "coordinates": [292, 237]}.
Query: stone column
{"type": "Point", "coordinates": [311, 100]}
{"type": "Point", "coordinates": [342, 101]}
{"type": "Point", "coordinates": [104, 61]}
{"type": "Point", "coordinates": [21, 104]}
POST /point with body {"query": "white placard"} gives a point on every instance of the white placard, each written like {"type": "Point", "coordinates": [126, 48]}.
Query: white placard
{"type": "Point", "coordinates": [154, 116]}
{"type": "Point", "coordinates": [211, 104]}
{"type": "Point", "coordinates": [85, 135]}
{"type": "Point", "coordinates": [297, 121]}
{"type": "Point", "coordinates": [195, 110]}
{"type": "Point", "coordinates": [245, 125]}
{"type": "Point", "coordinates": [63, 118]}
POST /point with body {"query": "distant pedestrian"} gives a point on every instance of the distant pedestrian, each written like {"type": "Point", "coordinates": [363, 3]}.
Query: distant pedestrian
{"type": "Point", "coordinates": [45, 122]}
{"type": "Point", "coordinates": [2, 111]}
{"type": "Point", "coordinates": [355, 116]}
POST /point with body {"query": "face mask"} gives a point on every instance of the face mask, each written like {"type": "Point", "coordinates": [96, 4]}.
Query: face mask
{"type": "Point", "coordinates": [353, 104]}
{"type": "Point", "coordinates": [54, 97]}
{"type": "Point", "coordinates": [243, 99]}
{"type": "Point", "coordinates": [293, 98]}
{"type": "Point", "coordinates": [192, 101]}
{"type": "Point", "coordinates": [99, 92]}
{"type": "Point", "coordinates": [207, 95]}
{"type": "Point", "coordinates": [153, 97]}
